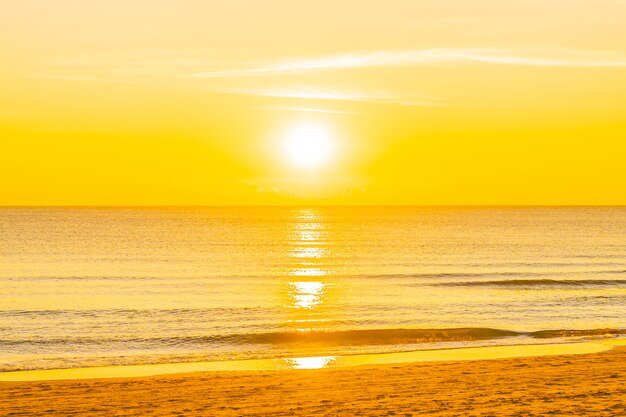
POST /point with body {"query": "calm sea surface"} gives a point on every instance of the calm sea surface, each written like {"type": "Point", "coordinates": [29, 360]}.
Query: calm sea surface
{"type": "Point", "coordinates": [95, 286]}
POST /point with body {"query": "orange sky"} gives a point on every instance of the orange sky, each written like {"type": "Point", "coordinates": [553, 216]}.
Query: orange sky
{"type": "Point", "coordinates": [418, 102]}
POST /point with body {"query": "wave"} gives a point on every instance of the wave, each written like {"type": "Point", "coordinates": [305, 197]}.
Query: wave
{"type": "Point", "coordinates": [547, 334]}
{"type": "Point", "coordinates": [150, 312]}
{"type": "Point", "coordinates": [536, 283]}
{"type": "Point", "coordinates": [380, 336]}
{"type": "Point", "coordinates": [323, 338]}
{"type": "Point", "coordinates": [419, 275]}
{"type": "Point", "coordinates": [503, 274]}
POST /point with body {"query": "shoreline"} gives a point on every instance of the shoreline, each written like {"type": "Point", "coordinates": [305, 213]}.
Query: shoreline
{"type": "Point", "coordinates": [318, 362]}
{"type": "Point", "coordinates": [585, 384]}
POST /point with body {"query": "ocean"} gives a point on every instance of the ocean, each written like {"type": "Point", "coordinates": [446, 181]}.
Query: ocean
{"type": "Point", "coordinates": [113, 286]}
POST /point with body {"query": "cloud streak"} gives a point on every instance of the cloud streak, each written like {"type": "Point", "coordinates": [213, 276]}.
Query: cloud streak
{"type": "Point", "coordinates": [547, 57]}
{"type": "Point", "coordinates": [203, 71]}
{"type": "Point", "coordinates": [313, 93]}
{"type": "Point", "coordinates": [309, 109]}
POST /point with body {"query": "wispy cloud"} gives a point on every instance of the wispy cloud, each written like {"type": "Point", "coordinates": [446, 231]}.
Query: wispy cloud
{"type": "Point", "coordinates": [314, 93]}
{"type": "Point", "coordinates": [59, 75]}
{"type": "Point", "coordinates": [203, 71]}
{"type": "Point", "coordinates": [303, 92]}
{"type": "Point", "coordinates": [547, 57]}
{"type": "Point", "coordinates": [309, 109]}
{"type": "Point", "coordinates": [206, 65]}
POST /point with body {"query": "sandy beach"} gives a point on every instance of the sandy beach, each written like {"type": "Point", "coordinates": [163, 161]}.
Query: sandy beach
{"type": "Point", "coordinates": [565, 385]}
{"type": "Point", "coordinates": [312, 208]}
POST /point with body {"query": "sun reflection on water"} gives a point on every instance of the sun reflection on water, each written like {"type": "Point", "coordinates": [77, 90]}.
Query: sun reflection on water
{"type": "Point", "coordinates": [309, 272]}
{"type": "Point", "coordinates": [306, 271]}
{"type": "Point", "coordinates": [309, 252]}
{"type": "Point", "coordinates": [315, 362]}
{"type": "Point", "coordinates": [307, 294]}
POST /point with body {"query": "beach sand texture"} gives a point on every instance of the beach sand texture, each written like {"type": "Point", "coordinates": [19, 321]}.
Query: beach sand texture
{"type": "Point", "coordinates": [567, 385]}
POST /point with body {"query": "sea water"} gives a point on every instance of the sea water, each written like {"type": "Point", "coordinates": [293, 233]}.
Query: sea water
{"type": "Point", "coordinates": [106, 286]}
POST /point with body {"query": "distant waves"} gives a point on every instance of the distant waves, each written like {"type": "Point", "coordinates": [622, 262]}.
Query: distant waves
{"type": "Point", "coordinates": [535, 283]}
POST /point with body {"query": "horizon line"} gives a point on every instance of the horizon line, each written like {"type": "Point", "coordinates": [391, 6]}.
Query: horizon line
{"type": "Point", "coordinates": [310, 205]}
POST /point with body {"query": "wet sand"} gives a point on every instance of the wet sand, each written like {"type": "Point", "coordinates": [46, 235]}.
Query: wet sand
{"type": "Point", "coordinates": [315, 362]}
{"type": "Point", "coordinates": [585, 384]}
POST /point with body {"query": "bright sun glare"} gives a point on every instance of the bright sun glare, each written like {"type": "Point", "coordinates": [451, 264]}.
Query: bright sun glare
{"type": "Point", "coordinates": [308, 145]}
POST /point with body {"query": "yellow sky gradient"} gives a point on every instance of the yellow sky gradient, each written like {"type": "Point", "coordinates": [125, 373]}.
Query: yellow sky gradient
{"type": "Point", "coordinates": [427, 102]}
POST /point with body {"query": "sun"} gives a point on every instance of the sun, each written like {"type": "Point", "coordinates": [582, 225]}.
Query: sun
{"type": "Point", "coordinates": [308, 145]}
